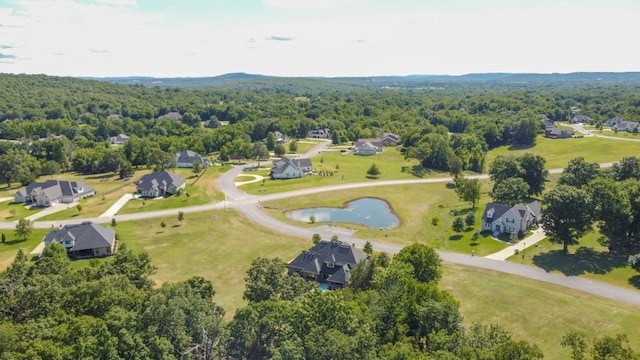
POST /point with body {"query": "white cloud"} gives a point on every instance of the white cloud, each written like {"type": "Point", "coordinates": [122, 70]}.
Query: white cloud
{"type": "Point", "coordinates": [113, 38]}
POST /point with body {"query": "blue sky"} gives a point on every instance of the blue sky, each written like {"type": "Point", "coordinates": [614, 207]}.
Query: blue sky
{"type": "Point", "coordinates": [316, 37]}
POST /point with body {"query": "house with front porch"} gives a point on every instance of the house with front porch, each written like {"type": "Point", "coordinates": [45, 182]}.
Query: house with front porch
{"type": "Point", "coordinates": [505, 219]}
{"type": "Point", "coordinates": [53, 192]}
{"type": "Point", "coordinates": [368, 147]}
{"type": "Point", "coordinates": [160, 183]}
{"type": "Point", "coordinates": [286, 168]}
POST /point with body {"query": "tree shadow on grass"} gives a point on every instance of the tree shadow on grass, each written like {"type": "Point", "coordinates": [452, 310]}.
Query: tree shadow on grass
{"type": "Point", "coordinates": [14, 241]}
{"type": "Point", "coordinates": [585, 260]}
{"type": "Point", "coordinates": [455, 237]}
{"type": "Point", "coordinates": [635, 281]}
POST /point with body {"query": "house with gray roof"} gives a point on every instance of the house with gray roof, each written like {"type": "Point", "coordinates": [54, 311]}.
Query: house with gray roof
{"type": "Point", "coordinates": [390, 139]}
{"type": "Point", "coordinates": [328, 262]}
{"type": "Point", "coordinates": [558, 133]}
{"type": "Point", "coordinates": [620, 124]}
{"type": "Point", "coordinates": [319, 133]}
{"type": "Point", "coordinates": [367, 147]}
{"type": "Point", "coordinates": [186, 158]}
{"type": "Point", "coordinates": [160, 183]}
{"type": "Point", "coordinates": [286, 168]}
{"type": "Point", "coordinates": [505, 219]}
{"type": "Point", "coordinates": [84, 240]}
{"type": "Point", "coordinates": [584, 119]}
{"type": "Point", "coordinates": [53, 192]}
{"type": "Point", "coordinates": [172, 115]}
{"type": "Point", "coordinates": [118, 139]}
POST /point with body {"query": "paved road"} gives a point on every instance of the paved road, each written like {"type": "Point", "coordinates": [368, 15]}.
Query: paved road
{"type": "Point", "coordinates": [581, 129]}
{"type": "Point", "coordinates": [249, 206]}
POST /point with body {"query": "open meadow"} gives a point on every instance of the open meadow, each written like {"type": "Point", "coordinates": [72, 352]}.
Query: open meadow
{"type": "Point", "coordinates": [558, 152]}
{"type": "Point", "coordinates": [217, 245]}
{"type": "Point", "coordinates": [9, 249]}
{"type": "Point", "coordinates": [538, 312]}
{"type": "Point", "coordinates": [333, 167]}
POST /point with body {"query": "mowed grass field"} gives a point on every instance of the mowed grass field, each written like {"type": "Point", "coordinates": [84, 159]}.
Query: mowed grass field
{"type": "Point", "coordinates": [589, 259]}
{"type": "Point", "coordinates": [202, 189]}
{"type": "Point", "coordinates": [345, 168]}
{"type": "Point", "coordinates": [9, 249]}
{"type": "Point", "coordinates": [20, 211]}
{"type": "Point", "coordinates": [535, 311]}
{"type": "Point", "coordinates": [426, 213]}
{"type": "Point", "coordinates": [217, 245]}
{"type": "Point", "coordinates": [558, 152]}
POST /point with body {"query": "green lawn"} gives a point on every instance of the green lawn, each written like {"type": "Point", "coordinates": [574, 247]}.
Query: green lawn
{"type": "Point", "coordinates": [346, 168]}
{"type": "Point", "coordinates": [416, 205]}
{"type": "Point", "coordinates": [9, 250]}
{"type": "Point", "coordinates": [535, 311]}
{"type": "Point", "coordinates": [21, 211]}
{"type": "Point", "coordinates": [558, 152]}
{"type": "Point", "coordinates": [217, 245]}
{"type": "Point", "coordinates": [589, 259]}
{"type": "Point", "coordinates": [201, 190]}
{"type": "Point", "coordinates": [304, 145]}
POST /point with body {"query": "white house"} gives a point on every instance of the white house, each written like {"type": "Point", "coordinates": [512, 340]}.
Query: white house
{"type": "Point", "coordinates": [506, 219]}
{"type": "Point", "coordinates": [52, 192]}
{"type": "Point", "coordinates": [186, 158]}
{"type": "Point", "coordinates": [286, 168]}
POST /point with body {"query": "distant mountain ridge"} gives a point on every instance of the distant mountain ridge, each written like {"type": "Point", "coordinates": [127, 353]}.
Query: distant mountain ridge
{"type": "Point", "coordinates": [400, 81]}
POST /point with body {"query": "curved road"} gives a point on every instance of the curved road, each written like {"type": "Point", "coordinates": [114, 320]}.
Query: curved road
{"type": "Point", "coordinates": [249, 206]}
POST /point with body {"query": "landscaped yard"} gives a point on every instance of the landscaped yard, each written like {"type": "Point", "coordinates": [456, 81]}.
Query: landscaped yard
{"type": "Point", "coordinates": [334, 167]}
{"type": "Point", "coordinates": [20, 211]}
{"type": "Point", "coordinates": [201, 190]}
{"type": "Point", "coordinates": [589, 259]}
{"type": "Point", "coordinates": [217, 245]}
{"type": "Point", "coordinates": [538, 312]}
{"type": "Point", "coordinates": [558, 152]}
{"type": "Point", "coordinates": [416, 205]}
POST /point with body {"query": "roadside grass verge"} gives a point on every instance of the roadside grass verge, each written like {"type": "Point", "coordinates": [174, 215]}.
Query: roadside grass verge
{"type": "Point", "coordinates": [558, 152]}
{"type": "Point", "coordinates": [201, 190]}
{"type": "Point", "coordinates": [589, 259]}
{"type": "Point", "coordinates": [217, 245]}
{"type": "Point", "coordinates": [21, 211]}
{"type": "Point", "coordinates": [535, 311]}
{"type": "Point", "coordinates": [333, 167]}
{"type": "Point", "coordinates": [426, 213]}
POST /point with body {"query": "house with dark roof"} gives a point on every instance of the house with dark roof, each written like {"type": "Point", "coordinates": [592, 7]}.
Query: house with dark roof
{"type": "Point", "coordinates": [160, 183]}
{"type": "Point", "coordinates": [558, 133]}
{"type": "Point", "coordinates": [84, 240]}
{"type": "Point", "coordinates": [505, 219]}
{"type": "Point", "coordinates": [172, 115]}
{"type": "Point", "coordinates": [186, 158]}
{"type": "Point", "coordinates": [584, 119]}
{"type": "Point", "coordinates": [52, 192]}
{"type": "Point", "coordinates": [367, 147]}
{"type": "Point", "coordinates": [286, 168]}
{"type": "Point", "coordinates": [620, 124]}
{"type": "Point", "coordinates": [390, 139]}
{"type": "Point", "coordinates": [118, 139]}
{"type": "Point", "coordinates": [328, 262]}
{"type": "Point", "coordinates": [319, 133]}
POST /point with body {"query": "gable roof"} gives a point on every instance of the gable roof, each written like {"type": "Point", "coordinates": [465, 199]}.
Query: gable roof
{"type": "Point", "coordinates": [280, 165]}
{"type": "Point", "coordinates": [188, 156]}
{"type": "Point", "coordinates": [495, 210]}
{"type": "Point", "coordinates": [580, 119]}
{"type": "Point", "coordinates": [159, 180]}
{"type": "Point", "coordinates": [84, 236]}
{"type": "Point", "coordinates": [56, 188]}
{"type": "Point", "coordinates": [173, 115]}
{"type": "Point", "coordinates": [392, 136]}
{"type": "Point", "coordinates": [375, 142]}
{"type": "Point", "coordinates": [332, 258]}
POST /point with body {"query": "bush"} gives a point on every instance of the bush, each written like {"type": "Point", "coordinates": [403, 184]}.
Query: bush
{"type": "Point", "coordinates": [435, 221]}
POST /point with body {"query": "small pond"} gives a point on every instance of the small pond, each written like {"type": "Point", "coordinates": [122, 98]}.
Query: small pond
{"type": "Point", "coordinates": [369, 212]}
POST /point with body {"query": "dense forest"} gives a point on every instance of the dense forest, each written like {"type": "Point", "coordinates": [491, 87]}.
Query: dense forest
{"type": "Point", "coordinates": [393, 309]}
{"type": "Point", "coordinates": [61, 124]}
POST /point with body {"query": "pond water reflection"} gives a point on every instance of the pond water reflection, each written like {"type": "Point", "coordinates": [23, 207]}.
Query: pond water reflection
{"type": "Point", "coordinates": [369, 212]}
